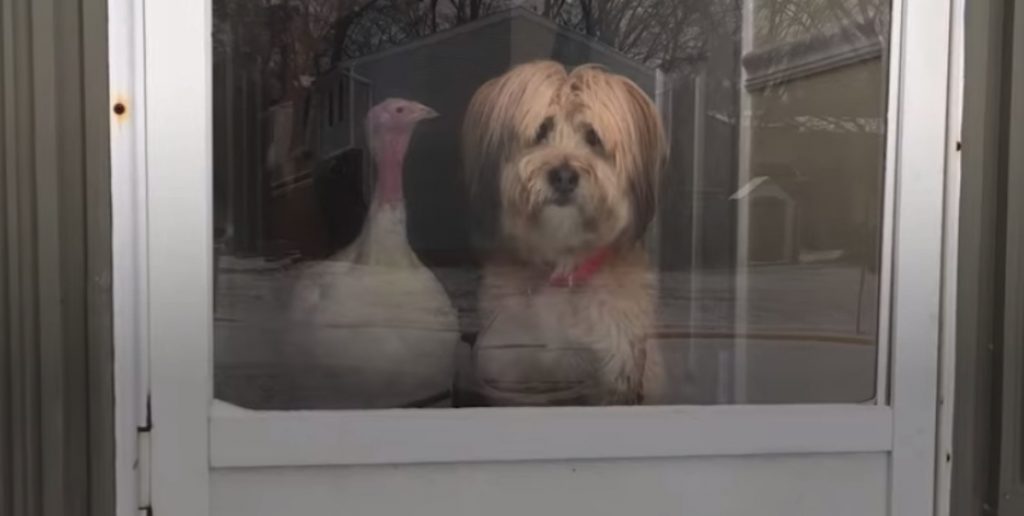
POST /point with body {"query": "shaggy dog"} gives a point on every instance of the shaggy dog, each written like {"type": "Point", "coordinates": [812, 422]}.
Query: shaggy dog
{"type": "Point", "coordinates": [560, 168]}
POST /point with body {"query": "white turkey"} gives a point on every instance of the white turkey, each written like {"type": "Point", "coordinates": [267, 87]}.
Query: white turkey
{"type": "Point", "coordinates": [378, 321]}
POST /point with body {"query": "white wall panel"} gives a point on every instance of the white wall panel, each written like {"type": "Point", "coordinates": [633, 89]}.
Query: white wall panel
{"type": "Point", "coordinates": [808, 485]}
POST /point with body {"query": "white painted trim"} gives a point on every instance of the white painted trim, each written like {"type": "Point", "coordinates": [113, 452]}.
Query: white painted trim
{"type": "Point", "coordinates": [242, 438]}
{"type": "Point", "coordinates": [923, 72]}
{"type": "Point", "coordinates": [179, 147]}
{"type": "Point", "coordinates": [892, 59]}
{"type": "Point", "coordinates": [950, 267]}
{"type": "Point", "coordinates": [128, 190]}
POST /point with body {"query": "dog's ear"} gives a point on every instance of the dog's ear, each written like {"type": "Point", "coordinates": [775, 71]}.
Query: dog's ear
{"type": "Point", "coordinates": [473, 139]}
{"type": "Point", "coordinates": [502, 115]}
{"type": "Point", "coordinates": [651, 155]}
{"type": "Point", "coordinates": [505, 111]}
{"type": "Point", "coordinates": [480, 162]}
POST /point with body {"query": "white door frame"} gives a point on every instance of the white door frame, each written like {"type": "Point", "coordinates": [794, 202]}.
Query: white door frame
{"type": "Point", "coordinates": [164, 261]}
{"type": "Point", "coordinates": [129, 226]}
{"type": "Point", "coordinates": [179, 236]}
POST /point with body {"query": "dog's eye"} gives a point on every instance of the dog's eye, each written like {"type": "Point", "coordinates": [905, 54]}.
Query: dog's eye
{"type": "Point", "coordinates": [400, 110]}
{"type": "Point", "coordinates": [544, 130]}
{"type": "Point", "coordinates": [593, 139]}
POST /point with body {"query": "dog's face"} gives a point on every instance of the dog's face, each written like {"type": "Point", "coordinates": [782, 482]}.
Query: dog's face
{"type": "Point", "coordinates": [567, 158]}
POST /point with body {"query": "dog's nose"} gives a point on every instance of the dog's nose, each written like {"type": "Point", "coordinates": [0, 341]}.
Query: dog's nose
{"type": "Point", "coordinates": [563, 180]}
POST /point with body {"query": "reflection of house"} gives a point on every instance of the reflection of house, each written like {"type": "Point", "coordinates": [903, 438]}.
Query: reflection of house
{"type": "Point", "coordinates": [342, 100]}
{"type": "Point", "coordinates": [818, 105]}
{"type": "Point", "coordinates": [322, 146]}
{"type": "Point", "coordinates": [443, 71]}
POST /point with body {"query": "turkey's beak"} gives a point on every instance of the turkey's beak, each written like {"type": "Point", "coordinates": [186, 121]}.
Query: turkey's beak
{"type": "Point", "coordinates": [426, 113]}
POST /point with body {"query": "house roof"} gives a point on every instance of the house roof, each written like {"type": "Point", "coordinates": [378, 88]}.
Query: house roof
{"type": "Point", "coordinates": [493, 19]}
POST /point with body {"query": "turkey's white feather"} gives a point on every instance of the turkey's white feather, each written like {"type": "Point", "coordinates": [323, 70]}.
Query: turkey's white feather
{"type": "Point", "coordinates": [373, 311]}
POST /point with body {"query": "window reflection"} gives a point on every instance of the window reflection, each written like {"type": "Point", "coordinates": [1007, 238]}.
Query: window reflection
{"type": "Point", "coordinates": [765, 234]}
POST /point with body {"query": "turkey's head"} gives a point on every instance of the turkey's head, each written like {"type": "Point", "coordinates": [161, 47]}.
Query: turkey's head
{"type": "Point", "coordinates": [389, 127]}
{"type": "Point", "coordinates": [395, 118]}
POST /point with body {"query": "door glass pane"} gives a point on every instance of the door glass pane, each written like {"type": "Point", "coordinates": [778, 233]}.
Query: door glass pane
{"type": "Point", "coordinates": [497, 202]}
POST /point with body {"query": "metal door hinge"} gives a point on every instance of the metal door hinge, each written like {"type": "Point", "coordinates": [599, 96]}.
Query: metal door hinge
{"type": "Point", "coordinates": [143, 464]}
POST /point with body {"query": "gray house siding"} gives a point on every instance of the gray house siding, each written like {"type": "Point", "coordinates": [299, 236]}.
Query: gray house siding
{"type": "Point", "coordinates": [56, 398]}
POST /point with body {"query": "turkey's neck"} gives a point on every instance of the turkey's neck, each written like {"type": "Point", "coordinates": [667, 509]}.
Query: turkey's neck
{"type": "Point", "coordinates": [389, 157]}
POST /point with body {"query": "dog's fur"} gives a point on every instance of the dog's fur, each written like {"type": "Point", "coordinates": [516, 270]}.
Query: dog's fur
{"type": "Point", "coordinates": [587, 344]}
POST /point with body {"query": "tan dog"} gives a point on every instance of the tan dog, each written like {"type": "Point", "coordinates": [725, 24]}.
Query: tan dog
{"type": "Point", "coordinates": [561, 168]}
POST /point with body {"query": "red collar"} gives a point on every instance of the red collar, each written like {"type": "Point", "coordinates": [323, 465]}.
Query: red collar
{"type": "Point", "coordinates": [583, 272]}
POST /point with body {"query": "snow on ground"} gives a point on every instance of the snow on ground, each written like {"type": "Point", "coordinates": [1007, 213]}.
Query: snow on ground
{"type": "Point", "coordinates": [806, 332]}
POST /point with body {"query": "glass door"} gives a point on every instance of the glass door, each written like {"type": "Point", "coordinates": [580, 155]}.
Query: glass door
{"type": "Point", "coordinates": [515, 235]}
{"type": "Point", "coordinates": [775, 251]}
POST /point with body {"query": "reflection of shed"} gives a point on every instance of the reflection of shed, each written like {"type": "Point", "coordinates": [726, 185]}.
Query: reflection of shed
{"type": "Point", "coordinates": [820, 93]}
{"type": "Point", "coordinates": [443, 71]}
{"type": "Point", "coordinates": [320, 208]}
{"type": "Point", "coordinates": [342, 99]}
{"type": "Point", "coordinates": [772, 221]}
{"type": "Point", "coordinates": [324, 159]}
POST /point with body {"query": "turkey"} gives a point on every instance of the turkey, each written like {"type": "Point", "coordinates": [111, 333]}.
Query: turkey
{"type": "Point", "coordinates": [377, 321]}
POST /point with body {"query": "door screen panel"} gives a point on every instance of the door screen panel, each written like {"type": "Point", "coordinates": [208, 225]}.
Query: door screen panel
{"type": "Point", "coordinates": [696, 219]}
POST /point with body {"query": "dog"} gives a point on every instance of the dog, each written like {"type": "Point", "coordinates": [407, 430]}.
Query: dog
{"type": "Point", "coordinates": [560, 168]}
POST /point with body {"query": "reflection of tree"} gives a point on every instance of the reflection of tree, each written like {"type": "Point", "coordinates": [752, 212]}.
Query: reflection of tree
{"type": "Point", "coordinates": [780, 21]}
{"type": "Point", "coordinates": [661, 34]}
{"type": "Point", "coordinates": [392, 22]}
{"type": "Point", "coordinates": [286, 42]}
{"type": "Point", "coordinates": [785, 31]}
{"type": "Point", "coordinates": [280, 41]}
